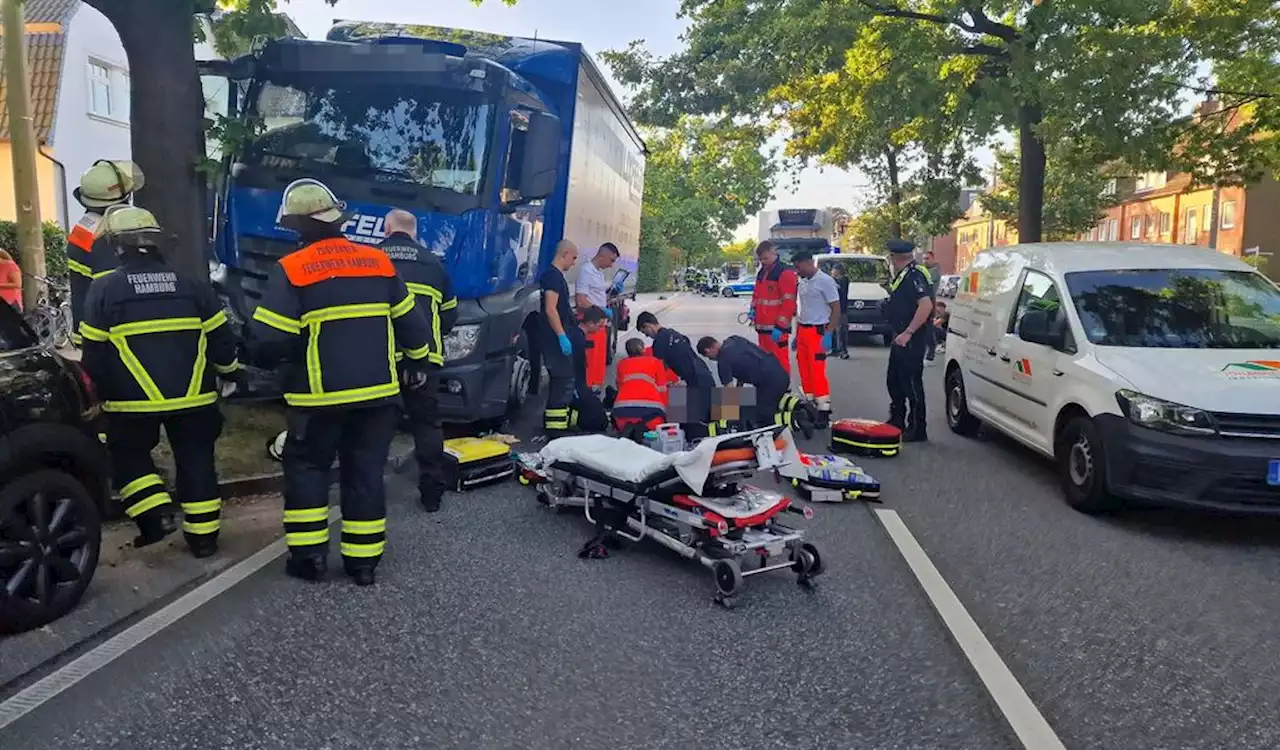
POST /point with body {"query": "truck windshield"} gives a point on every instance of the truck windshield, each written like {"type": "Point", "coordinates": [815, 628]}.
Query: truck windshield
{"type": "Point", "coordinates": [428, 137]}
{"type": "Point", "coordinates": [1177, 308]}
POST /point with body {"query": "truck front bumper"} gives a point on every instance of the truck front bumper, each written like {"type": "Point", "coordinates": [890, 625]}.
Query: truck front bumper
{"type": "Point", "coordinates": [475, 391]}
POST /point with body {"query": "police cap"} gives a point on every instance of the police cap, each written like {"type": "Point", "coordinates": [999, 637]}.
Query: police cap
{"type": "Point", "coordinates": [900, 246]}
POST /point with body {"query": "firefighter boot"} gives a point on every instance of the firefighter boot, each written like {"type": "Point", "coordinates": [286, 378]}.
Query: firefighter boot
{"type": "Point", "coordinates": [306, 567]}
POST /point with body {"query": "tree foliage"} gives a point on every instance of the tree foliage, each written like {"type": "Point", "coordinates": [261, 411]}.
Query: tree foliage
{"type": "Point", "coordinates": [1114, 78]}
{"type": "Point", "coordinates": [702, 179]}
{"type": "Point", "coordinates": [1074, 194]}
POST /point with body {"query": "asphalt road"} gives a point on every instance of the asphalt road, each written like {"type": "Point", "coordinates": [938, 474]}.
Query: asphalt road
{"type": "Point", "coordinates": [1148, 630]}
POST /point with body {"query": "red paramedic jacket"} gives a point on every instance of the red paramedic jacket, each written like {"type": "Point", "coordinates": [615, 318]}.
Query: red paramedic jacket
{"type": "Point", "coordinates": [774, 298]}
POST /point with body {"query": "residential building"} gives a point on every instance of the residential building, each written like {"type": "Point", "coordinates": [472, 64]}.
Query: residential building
{"type": "Point", "coordinates": [978, 230]}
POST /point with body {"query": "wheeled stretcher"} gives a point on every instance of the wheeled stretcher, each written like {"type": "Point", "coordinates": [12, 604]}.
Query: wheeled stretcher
{"type": "Point", "coordinates": [692, 502]}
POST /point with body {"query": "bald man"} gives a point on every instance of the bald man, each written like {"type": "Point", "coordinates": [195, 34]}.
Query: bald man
{"type": "Point", "coordinates": [425, 276]}
{"type": "Point", "coordinates": [559, 337]}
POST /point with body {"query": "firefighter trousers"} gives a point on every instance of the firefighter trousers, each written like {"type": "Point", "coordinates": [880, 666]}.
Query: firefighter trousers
{"type": "Point", "coordinates": [192, 435]}
{"type": "Point", "coordinates": [359, 439]}
{"type": "Point", "coordinates": [906, 388]}
{"type": "Point", "coordinates": [422, 408]}
{"type": "Point", "coordinates": [567, 375]}
{"type": "Point", "coordinates": [811, 358]}
{"type": "Point", "coordinates": [779, 349]}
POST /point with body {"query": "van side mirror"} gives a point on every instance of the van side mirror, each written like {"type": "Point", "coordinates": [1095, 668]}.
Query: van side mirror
{"type": "Point", "coordinates": [1038, 327]}
{"type": "Point", "coordinates": [541, 158]}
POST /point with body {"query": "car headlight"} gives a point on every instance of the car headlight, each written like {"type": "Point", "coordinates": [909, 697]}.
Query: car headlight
{"type": "Point", "coordinates": [461, 342]}
{"type": "Point", "coordinates": [1166, 416]}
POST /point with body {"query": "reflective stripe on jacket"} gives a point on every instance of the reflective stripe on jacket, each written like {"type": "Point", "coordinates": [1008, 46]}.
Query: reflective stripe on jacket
{"type": "Point", "coordinates": [89, 257]}
{"type": "Point", "coordinates": [425, 276]}
{"type": "Point", "coordinates": [154, 339]}
{"type": "Point", "coordinates": [642, 383]}
{"type": "Point", "coordinates": [774, 298]}
{"type": "Point", "coordinates": [339, 313]}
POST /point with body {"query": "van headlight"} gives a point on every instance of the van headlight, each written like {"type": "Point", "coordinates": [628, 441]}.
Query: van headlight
{"type": "Point", "coordinates": [461, 342]}
{"type": "Point", "coordinates": [1165, 416]}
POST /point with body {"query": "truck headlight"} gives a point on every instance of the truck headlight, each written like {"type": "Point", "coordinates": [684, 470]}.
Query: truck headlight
{"type": "Point", "coordinates": [461, 342]}
{"type": "Point", "coordinates": [1166, 416]}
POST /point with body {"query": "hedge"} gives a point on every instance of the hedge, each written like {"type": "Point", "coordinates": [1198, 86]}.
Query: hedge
{"type": "Point", "coordinates": [55, 246]}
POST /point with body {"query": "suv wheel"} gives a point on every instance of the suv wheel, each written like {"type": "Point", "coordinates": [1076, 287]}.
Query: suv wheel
{"type": "Point", "coordinates": [959, 419]}
{"type": "Point", "coordinates": [50, 534]}
{"type": "Point", "coordinates": [1083, 468]}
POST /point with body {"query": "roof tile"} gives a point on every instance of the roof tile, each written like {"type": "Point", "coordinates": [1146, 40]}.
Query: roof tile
{"type": "Point", "coordinates": [44, 67]}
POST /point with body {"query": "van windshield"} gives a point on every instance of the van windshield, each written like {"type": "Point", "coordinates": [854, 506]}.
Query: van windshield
{"type": "Point", "coordinates": [1177, 308]}
{"type": "Point", "coordinates": [865, 270]}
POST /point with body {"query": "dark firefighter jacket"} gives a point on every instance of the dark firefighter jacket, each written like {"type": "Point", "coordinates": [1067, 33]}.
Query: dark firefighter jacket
{"type": "Point", "coordinates": [153, 339]}
{"type": "Point", "coordinates": [674, 349]}
{"type": "Point", "coordinates": [88, 257]}
{"type": "Point", "coordinates": [339, 313]}
{"type": "Point", "coordinates": [425, 276]}
{"type": "Point", "coordinates": [745, 362]}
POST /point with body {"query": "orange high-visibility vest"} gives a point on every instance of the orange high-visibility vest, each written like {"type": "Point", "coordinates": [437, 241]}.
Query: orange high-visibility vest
{"type": "Point", "coordinates": [642, 382]}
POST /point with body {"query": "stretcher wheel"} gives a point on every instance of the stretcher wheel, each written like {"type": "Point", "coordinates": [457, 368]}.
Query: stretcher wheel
{"type": "Point", "coordinates": [808, 565]}
{"type": "Point", "coordinates": [728, 576]}
{"type": "Point", "coordinates": [543, 498]}
{"type": "Point", "coordinates": [522, 479]}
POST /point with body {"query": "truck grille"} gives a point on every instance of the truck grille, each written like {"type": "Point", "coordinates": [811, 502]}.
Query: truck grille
{"type": "Point", "coordinates": [1265, 426]}
{"type": "Point", "coordinates": [257, 257]}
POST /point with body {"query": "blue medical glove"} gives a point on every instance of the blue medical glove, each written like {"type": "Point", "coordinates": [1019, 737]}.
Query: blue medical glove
{"type": "Point", "coordinates": [776, 335]}
{"type": "Point", "coordinates": [751, 314]}
{"type": "Point", "coordinates": [565, 347]}
{"type": "Point", "coordinates": [826, 342]}
{"type": "Point", "coordinates": [608, 312]}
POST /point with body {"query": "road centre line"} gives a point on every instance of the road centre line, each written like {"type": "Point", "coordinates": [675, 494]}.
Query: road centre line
{"type": "Point", "coordinates": [1025, 719]}
{"type": "Point", "coordinates": [45, 689]}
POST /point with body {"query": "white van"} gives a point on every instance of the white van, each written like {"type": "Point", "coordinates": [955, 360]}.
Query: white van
{"type": "Point", "coordinates": [868, 277]}
{"type": "Point", "coordinates": [1148, 372]}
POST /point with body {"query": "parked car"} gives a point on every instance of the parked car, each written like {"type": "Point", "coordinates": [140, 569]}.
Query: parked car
{"type": "Point", "coordinates": [739, 287]}
{"type": "Point", "coordinates": [1148, 373]}
{"type": "Point", "coordinates": [54, 476]}
{"type": "Point", "coordinates": [949, 285]}
{"type": "Point", "coordinates": [868, 277]}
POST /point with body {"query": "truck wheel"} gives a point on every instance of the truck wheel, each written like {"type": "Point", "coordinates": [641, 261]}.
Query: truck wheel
{"type": "Point", "coordinates": [1083, 468]}
{"type": "Point", "coordinates": [50, 534]}
{"type": "Point", "coordinates": [521, 375]}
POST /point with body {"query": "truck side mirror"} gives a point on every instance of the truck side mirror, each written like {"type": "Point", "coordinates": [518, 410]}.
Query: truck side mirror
{"type": "Point", "coordinates": [541, 158]}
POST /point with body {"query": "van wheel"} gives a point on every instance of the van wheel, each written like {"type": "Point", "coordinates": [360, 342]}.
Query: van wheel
{"type": "Point", "coordinates": [1083, 468]}
{"type": "Point", "coordinates": [50, 535]}
{"type": "Point", "coordinates": [959, 419]}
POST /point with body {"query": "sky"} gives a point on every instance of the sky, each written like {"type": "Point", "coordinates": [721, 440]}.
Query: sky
{"type": "Point", "coordinates": [598, 25]}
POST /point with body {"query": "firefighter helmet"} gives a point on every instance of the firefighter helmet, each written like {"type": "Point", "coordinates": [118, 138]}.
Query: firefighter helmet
{"type": "Point", "coordinates": [312, 199]}
{"type": "Point", "coordinates": [108, 183]}
{"type": "Point", "coordinates": [129, 225]}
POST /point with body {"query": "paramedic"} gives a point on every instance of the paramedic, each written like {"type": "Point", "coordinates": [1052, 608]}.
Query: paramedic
{"type": "Point", "coordinates": [425, 276]}
{"type": "Point", "coordinates": [558, 339]}
{"type": "Point", "coordinates": [740, 360]}
{"type": "Point", "coordinates": [89, 254]}
{"type": "Point", "coordinates": [593, 291]}
{"type": "Point", "coordinates": [642, 389]}
{"type": "Point", "coordinates": [586, 412]}
{"type": "Point", "coordinates": [909, 308]}
{"type": "Point", "coordinates": [816, 325]}
{"type": "Point", "coordinates": [153, 341]}
{"type": "Point", "coordinates": [674, 349]}
{"type": "Point", "coordinates": [338, 313]}
{"type": "Point", "coordinates": [773, 304]}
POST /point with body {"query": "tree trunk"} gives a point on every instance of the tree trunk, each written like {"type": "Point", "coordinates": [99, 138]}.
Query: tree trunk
{"type": "Point", "coordinates": [167, 121]}
{"type": "Point", "coordinates": [895, 192]}
{"type": "Point", "coordinates": [1031, 169]}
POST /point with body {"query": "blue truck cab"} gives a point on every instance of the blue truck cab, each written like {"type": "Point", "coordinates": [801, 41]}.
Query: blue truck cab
{"type": "Point", "coordinates": [500, 146]}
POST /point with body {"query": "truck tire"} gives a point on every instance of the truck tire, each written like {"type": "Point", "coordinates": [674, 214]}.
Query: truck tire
{"type": "Point", "coordinates": [522, 375]}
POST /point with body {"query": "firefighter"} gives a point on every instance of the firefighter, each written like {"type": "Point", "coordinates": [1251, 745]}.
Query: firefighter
{"type": "Point", "coordinates": [773, 304]}
{"type": "Point", "coordinates": [337, 313]}
{"type": "Point", "coordinates": [558, 339]}
{"type": "Point", "coordinates": [742, 361]}
{"type": "Point", "coordinates": [642, 390]}
{"type": "Point", "coordinates": [674, 349]}
{"type": "Point", "coordinates": [425, 276]}
{"type": "Point", "coordinates": [153, 341]}
{"type": "Point", "coordinates": [908, 309]}
{"type": "Point", "coordinates": [816, 325]}
{"type": "Point", "coordinates": [89, 254]}
{"type": "Point", "coordinates": [592, 290]}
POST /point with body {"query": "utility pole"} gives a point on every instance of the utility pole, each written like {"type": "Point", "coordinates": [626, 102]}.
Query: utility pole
{"type": "Point", "coordinates": [22, 135]}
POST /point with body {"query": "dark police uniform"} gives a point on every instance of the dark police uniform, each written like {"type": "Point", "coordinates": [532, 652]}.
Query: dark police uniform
{"type": "Point", "coordinates": [338, 312]}
{"type": "Point", "coordinates": [425, 276]}
{"type": "Point", "coordinates": [563, 371]}
{"type": "Point", "coordinates": [675, 351]}
{"type": "Point", "coordinates": [153, 341]}
{"type": "Point", "coordinates": [906, 363]}
{"type": "Point", "coordinates": [745, 362]}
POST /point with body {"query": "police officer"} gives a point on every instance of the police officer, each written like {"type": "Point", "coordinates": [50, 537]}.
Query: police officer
{"type": "Point", "coordinates": [558, 339]}
{"type": "Point", "coordinates": [89, 254]}
{"type": "Point", "coordinates": [909, 307]}
{"type": "Point", "coordinates": [740, 360]}
{"type": "Point", "coordinates": [337, 313]}
{"type": "Point", "coordinates": [153, 340]}
{"type": "Point", "coordinates": [675, 351]}
{"type": "Point", "coordinates": [425, 276]}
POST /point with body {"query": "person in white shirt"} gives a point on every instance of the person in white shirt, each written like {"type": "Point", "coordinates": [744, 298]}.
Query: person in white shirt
{"type": "Point", "coordinates": [816, 323]}
{"type": "Point", "coordinates": [592, 290]}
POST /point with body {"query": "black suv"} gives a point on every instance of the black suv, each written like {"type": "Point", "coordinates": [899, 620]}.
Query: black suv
{"type": "Point", "coordinates": [54, 477]}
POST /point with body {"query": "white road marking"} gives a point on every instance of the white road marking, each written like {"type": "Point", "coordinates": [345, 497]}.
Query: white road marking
{"type": "Point", "coordinates": [36, 695]}
{"type": "Point", "coordinates": [1026, 720]}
